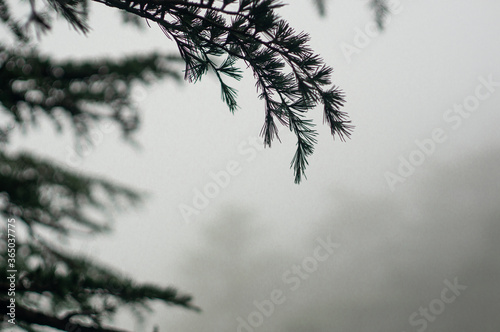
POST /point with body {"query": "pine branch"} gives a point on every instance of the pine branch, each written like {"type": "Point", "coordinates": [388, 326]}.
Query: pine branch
{"type": "Point", "coordinates": [73, 287]}
{"type": "Point", "coordinates": [14, 26]}
{"type": "Point", "coordinates": [290, 77]}
{"type": "Point", "coordinates": [42, 193]}
{"type": "Point", "coordinates": [74, 11]}
{"type": "Point", "coordinates": [87, 92]}
{"type": "Point", "coordinates": [34, 317]}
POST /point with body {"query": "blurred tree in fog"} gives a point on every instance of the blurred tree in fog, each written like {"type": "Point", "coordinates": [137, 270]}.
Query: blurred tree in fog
{"type": "Point", "coordinates": [380, 7]}
{"type": "Point", "coordinates": [41, 201]}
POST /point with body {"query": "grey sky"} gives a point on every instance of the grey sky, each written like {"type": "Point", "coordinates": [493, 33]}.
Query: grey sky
{"type": "Point", "coordinates": [399, 242]}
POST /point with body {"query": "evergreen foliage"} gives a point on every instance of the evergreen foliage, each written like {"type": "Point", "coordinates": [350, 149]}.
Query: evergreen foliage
{"type": "Point", "coordinates": [50, 202]}
{"type": "Point", "coordinates": [63, 291]}
{"type": "Point", "coordinates": [291, 79]}
{"type": "Point", "coordinates": [53, 288]}
{"type": "Point", "coordinates": [214, 36]}
{"type": "Point", "coordinates": [83, 93]}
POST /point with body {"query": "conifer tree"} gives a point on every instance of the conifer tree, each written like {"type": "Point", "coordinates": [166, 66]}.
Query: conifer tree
{"type": "Point", "coordinates": [41, 200]}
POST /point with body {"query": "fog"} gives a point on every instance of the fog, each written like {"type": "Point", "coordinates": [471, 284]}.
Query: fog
{"type": "Point", "coordinates": [395, 230]}
{"type": "Point", "coordinates": [392, 259]}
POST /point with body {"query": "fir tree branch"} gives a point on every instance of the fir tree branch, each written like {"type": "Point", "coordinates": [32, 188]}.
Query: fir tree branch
{"type": "Point", "coordinates": [34, 317]}
{"type": "Point", "coordinates": [85, 92]}
{"type": "Point", "coordinates": [77, 286]}
{"type": "Point", "coordinates": [291, 79]}
{"type": "Point", "coordinates": [39, 192]}
{"type": "Point", "coordinates": [12, 24]}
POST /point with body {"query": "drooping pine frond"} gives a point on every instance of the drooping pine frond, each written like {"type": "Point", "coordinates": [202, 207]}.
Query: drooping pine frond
{"type": "Point", "coordinates": [290, 78]}
{"type": "Point", "coordinates": [73, 11]}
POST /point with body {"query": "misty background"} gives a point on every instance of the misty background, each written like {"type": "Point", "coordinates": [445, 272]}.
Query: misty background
{"type": "Point", "coordinates": [397, 245]}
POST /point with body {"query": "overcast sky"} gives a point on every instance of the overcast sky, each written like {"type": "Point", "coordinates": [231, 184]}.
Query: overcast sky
{"type": "Point", "coordinates": [411, 201]}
